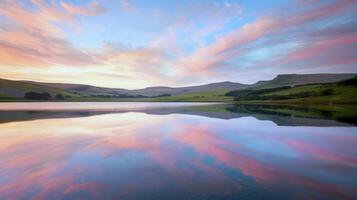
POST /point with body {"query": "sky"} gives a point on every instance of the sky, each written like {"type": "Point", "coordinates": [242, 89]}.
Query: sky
{"type": "Point", "coordinates": [141, 43]}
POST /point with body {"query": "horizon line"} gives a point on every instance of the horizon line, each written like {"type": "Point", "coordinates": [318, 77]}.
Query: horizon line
{"type": "Point", "coordinates": [202, 84]}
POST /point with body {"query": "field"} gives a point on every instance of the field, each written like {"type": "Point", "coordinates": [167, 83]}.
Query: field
{"type": "Point", "coordinates": [331, 93]}
{"type": "Point", "coordinates": [17, 89]}
{"type": "Point", "coordinates": [340, 94]}
{"type": "Point", "coordinates": [211, 96]}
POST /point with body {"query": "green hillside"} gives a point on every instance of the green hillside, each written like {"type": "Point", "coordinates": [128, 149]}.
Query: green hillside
{"type": "Point", "coordinates": [343, 92]}
{"type": "Point", "coordinates": [210, 96]}
{"type": "Point", "coordinates": [282, 89]}
{"type": "Point", "coordinates": [301, 79]}
{"type": "Point", "coordinates": [17, 89]}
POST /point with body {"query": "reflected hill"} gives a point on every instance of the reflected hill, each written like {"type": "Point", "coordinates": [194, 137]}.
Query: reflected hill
{"type": "Point", "coordinates": [281, 115]}
{"type": "Point", "coordinates": [284, 115]}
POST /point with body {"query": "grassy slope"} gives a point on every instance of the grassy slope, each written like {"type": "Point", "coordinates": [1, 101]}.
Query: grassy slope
{"type": "Point", "coordinates": [211, 96]}
{"type": "Point", "coordinates": [302, 79]}
{"type": "Point", "coordinates": [341, 94]}
{"type": "Point", "coordinates": [20, 88]}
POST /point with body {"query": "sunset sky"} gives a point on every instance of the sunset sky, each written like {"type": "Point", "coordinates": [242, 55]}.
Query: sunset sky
{"type": "Point", "coordinates": [141, 43]}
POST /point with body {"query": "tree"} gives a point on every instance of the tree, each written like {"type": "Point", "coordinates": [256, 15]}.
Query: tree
{"type": "Point", "coordinates": [37, 96]}
{"type": "Point", "coordinates": [327, 92]}
{"type": "Point", "coordinates": [59, 97]}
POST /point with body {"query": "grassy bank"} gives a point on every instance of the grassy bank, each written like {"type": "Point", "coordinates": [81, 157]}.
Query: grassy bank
{"type": "Point", "coordinates": [318, 94]}
{"type": "Point", "coordinates": [211, 96]}
{"type": "Point", "coordinates": [324, 94]}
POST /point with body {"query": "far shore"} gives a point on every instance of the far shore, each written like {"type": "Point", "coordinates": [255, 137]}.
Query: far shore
{"type": "Point", "coordinates": [292, 102]}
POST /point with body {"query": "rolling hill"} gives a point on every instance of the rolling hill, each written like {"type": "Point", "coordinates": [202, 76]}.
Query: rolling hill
{"type": "Point", "coordinates": [214, 91]}
{"type": "Point", "coordinates": [155, 91]}
{"type": "Point", "coordinates": [301, 79]}
{"type": "Point", "coordinates": [17, 89]}
{"type": "Point", "coordinates": [341, 92]}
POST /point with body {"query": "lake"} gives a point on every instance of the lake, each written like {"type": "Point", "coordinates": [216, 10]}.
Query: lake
{"type": "Point", "coordinates": [176, 151]}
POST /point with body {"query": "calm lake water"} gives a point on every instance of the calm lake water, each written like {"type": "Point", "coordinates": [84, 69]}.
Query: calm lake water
{"type": "Point", "coordinates": [175, 151]}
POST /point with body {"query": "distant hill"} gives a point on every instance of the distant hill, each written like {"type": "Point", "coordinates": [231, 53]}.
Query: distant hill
{"type": "Point", "coordinates": [81, 89]}
{"type": "Point", "coordinates": [149, 91]}
{"type": "Point", "coordinates": [154, 91]}
{"type": "Point", "coordinates": [301, 79]}
{"type": "Point", "coordinates": [17, 89]}
{"type": "Point", "coordinates": [340, 92]}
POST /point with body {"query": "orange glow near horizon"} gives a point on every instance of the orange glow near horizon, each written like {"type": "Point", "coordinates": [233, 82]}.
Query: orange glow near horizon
{"type": "Point", "coordinates": [181, 44]}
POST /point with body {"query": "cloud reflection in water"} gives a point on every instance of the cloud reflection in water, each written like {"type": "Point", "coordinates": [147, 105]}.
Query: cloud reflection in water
{"type": "Point", "coordinates": [136, 155]}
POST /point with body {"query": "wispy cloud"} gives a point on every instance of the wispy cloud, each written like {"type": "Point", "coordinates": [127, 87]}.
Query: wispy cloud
{"type": "Point", "coordinates": [235, 43]}
{"type": "Point", "coordinates": [33, 37]}
{"type": "Point", "coordinates": [174, 44]}
{"type": "Point", "coordinates": [90, 10]}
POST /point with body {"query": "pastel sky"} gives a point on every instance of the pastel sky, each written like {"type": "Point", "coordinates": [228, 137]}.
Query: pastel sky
{"type": "Point", "coordinates": [141, 43]}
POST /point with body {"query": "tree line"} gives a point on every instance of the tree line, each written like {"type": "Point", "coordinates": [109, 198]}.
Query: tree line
{"type": "Point", "coordinates": [263, 94]}
{"type": "Point", "coordinates": [43, 96]}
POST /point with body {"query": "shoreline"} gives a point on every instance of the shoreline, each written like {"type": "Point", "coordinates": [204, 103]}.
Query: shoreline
{"type": "Point", "coordinates": [300, 102]}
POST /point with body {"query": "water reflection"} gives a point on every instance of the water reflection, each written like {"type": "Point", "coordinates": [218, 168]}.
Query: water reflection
{"type": "Point", "coordinates": [282, 115]}
{"type": "Point", "coordinates": [164, 154]}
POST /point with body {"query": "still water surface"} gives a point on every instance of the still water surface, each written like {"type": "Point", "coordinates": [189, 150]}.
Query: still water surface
{"type": "Point", "coordinates": [174, 151]}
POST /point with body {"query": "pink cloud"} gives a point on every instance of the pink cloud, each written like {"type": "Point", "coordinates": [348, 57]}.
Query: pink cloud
{"type": "Point", "coordinates": [32, 38]}
{"type": "Point", "coordinates": [315, 49]}
{"type": "Point", "coordinates": [92, 187]}
{"type": "Point", "coordinates": [40, 43]}
{"type": "Point", "coordinates": [231, 45]}
{"type": "Point", "coordinates": [91, 10]}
